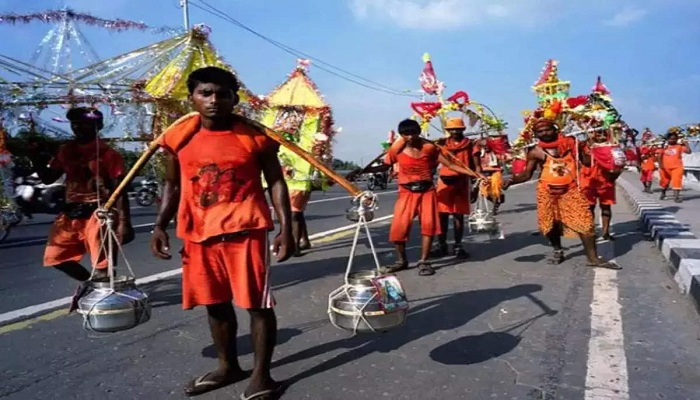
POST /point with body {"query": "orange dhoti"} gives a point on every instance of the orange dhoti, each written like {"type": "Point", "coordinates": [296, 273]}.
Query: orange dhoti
{"type": "Point", "coordinates": [70, 239]}
{"type": "Point", "coordinates": [492, 189]}
{"type": "Point", "coordinates": [672, 177]}
{"type": "Point", "coordinates": [571, 209]}
{"type": "Point", "coordinates": [227, 268]}
{"type": "Point", "coordinates": [453, 198]}
{"type": "Point", "coordinates": [299, 199]}
{"type": "Point", "coordinates": [410, 205]}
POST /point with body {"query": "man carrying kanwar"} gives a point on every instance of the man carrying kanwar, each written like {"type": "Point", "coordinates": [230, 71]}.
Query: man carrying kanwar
{"type": "Point", "coordinates": [417, 160]}
{"type": "Point", "coordinates": [647, 155]}
{"type": "Point", "coordinates": [598, 181]}
{"type": "Point", "coordinates": [670, 160]}
{"type": "Point", "coordinates": [488, 163]}
{"type": "Point", "coordinates": [453, 189]}
{"type": "Point", "coordinates": [213, 181]}
{"type": "Point", "coordinates": [92, 171]}
{"type": "Point", "coordinates": [562, 209]}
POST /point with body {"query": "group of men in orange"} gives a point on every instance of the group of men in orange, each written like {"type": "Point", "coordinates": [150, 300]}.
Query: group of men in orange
{"type": "Point", "coordinates": [669, 159]}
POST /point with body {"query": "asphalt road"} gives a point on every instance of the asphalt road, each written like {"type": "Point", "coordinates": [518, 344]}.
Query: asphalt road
{"type": "Point", "coordinates": [502, 325]}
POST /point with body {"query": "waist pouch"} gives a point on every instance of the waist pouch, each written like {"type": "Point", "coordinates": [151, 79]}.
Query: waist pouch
{"type": "Point", "coordinates": [418, 186]}
{"type": "Point", "coordinates": [79, 210]}
{"type": "Point", "coordinates": [451, 180]}
{"type": "Point", "coordinates": [558, 190]}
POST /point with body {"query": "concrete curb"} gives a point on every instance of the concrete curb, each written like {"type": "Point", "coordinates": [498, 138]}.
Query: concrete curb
{"type": "Point", "coordinates": [678, 244]}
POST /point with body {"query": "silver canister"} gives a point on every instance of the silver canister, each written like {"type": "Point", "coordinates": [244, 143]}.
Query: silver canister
{"type": "Point", "coordinates": [114, 309]}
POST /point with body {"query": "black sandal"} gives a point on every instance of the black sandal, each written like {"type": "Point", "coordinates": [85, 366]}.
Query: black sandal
{"type": "Point", "coordinates": [556, 258]}
{"type": "Point", "coordinates": [461, 254]}
{"type": "Point", "coordinates": [608, 237]}
{"type": "Point", "coordinates": [439, 251]}
{"type": "Point", "coordinates": [604, 264]}
{"type": "Point", "coordinates": [425, 269]}
{"type": "Point", "coordinates": [392, 269]}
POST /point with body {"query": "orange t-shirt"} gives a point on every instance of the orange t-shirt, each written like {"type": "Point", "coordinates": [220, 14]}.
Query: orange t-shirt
{"type": "Point", "coordinates": [220, 181]}
{"type": "Point", "coordinates": [79, 161]}
{"type": "Point", "coordinates": [412, 169]}
{"type": "Point", "coordinates": [593, 177]}
{"type": "Point", "coordinates": [672, 156]}
{"type": "Point", "coordinates": [560, 171]}
{"type": "Point", "coordinates": [462, 150]}
{"type": "Point", "coordinates": [648, 157]}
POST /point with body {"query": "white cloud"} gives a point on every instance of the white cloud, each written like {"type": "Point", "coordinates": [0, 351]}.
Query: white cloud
{"type": "Point", "coordinates": [451, 14]}
{"type": "Point", "coordinates": [627, 16]}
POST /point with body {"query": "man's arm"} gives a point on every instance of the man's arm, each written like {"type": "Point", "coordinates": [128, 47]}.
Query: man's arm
{"type": "Point", "coordinates": [171, 192]}
{"type": "Point", "coordinates": [532, 164]}
{"type": "Point", "coordinates": [454, 167]}
{"type": "Point", "coordinates": [272, 170]}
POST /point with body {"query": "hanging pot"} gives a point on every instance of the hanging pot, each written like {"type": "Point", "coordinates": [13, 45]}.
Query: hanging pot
{"type": "Point", "coordinates": [113, 309]}
{"type": "Point", "coordinates": [360, 306]}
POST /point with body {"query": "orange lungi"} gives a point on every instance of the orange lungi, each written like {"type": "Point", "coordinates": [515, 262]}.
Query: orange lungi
{"type": "Point", "coordinates": [597, 188]}
{"type": "Point", "coordinates": [672, 177]}
{"type": "Point", "coordinates": [299, 199]}
{"type": "Point", "coordinates": [570, 209]}
{"type": "Point", "coordinates": [221, 271]}
{"type": "Point", "coordinates": [410, 205]}
{"type": "Point", "coordinates": [70, 239]}
{"type": "Point", "coordinates": [454, 198]}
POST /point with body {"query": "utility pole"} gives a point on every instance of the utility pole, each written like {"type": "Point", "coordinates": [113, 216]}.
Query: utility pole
{"type": "Point", "coordinates": [186, 12]}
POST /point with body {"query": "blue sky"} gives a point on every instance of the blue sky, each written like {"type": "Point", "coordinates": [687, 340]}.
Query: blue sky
{"type": "Point", "coordinates": [645, 50]}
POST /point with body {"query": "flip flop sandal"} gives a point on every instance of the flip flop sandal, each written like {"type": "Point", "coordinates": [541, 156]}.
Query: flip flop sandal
{"type": "Point", "coordinates": [556, 258]}
{"type": "Point", "coordinates": [261, 395]}
{"type": "Point", "coordinates": [425, 269]}
{"type": "Point", "coordinates": [606, 265]}
{"type": "Point", "coordinates": [609, 237]}
{"type": "Point", "coordinates": [203, 385]}
{"type": "Point", "coordinates": [678, 200]}
{"type": "Point", "coordinates": [392, 269]}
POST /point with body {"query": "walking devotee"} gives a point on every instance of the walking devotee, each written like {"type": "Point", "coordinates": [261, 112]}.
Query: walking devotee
{"type": "Point", "coordinates": [453, 189]}
{"type": "Point", "coordinates": [562, 209]}
{"type": "Point", "coordinates": [214, 184]}
{"type": "Point", "coordinates": [598, 183]}
{"type": "Point", "coordinates": [299, 199]}
{"type": "Point", "coordinates": [92, 171]}
{"type": "Point", "coordinates": [647, 153]}
{"type": "Point", "coordinates": [671, 165]}
{"type": "Point", "coordinates": [416, 159]}
{"type": "Point", "coordinates": [488, 163]}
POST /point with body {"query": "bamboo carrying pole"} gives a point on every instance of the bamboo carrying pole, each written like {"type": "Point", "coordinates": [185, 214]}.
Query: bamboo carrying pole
{"type": "Point", "coordinates": [277, 137]}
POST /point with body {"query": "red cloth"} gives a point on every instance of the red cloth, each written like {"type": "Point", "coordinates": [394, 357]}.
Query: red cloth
{"type": "Point", "coordinates": [518, 166]}
{"type": "Point", "coordinates": [498, 145]}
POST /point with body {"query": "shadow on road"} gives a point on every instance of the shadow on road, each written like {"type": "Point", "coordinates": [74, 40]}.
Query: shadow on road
{"type": "Point", "coordinates": [439, 313]}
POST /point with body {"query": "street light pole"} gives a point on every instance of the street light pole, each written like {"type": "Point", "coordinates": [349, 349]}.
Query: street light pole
{"type": "Point", "coordinates": [186, 12]}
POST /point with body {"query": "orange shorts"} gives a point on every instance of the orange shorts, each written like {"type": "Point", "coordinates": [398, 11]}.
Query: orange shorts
{"type": "Point", "coordinates": [70, 239]}
{"type": "Point", "coordinates": [454, 198]}
{"type": "Point", "coordinates": [605, 196]}
{"type": "Point", "coordinates": [299, 199]}
{"type": "Point", "coordinates": [410, 205]}
{"type": "Point", "coordinates": [672, 177]}
{"type": "Point", "coordinates": [221, 271]}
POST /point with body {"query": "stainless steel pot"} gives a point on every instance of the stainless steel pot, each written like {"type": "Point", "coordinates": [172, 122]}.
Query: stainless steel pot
{"type": "Point", "coordinates": [346, 309]}
{"type": "Point", "coordinates": [107, 310]}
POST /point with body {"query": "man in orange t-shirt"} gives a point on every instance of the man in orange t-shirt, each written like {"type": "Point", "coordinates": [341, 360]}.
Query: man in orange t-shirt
{"type": "Point", "coordinates": [93, 170]}
{"type": "Point", "coordinates": [453, 189]}
{"type": "Point", "coordinates": [598, 184]}
{"type": "Point", "coordinates": [417, 160]}
{"type": "Point", "coordinates": [213, 182]}
{"type": "Point", "coordinates": [671, 166]}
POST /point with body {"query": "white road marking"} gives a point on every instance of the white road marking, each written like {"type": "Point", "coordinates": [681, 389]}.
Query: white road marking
{"type": "Point", "coordinates": [606, 377]}
{"type": "Point", "coordinates": [26, 312]}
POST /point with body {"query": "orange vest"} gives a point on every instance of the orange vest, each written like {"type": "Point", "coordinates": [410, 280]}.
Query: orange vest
{"type": "Point", "coordinates": [672, 156]}
{"type": "Point", "coordinates": [412, 169]}
{"type": "Point", "coordinates": [220, 179]}
{"type": "Point", "coordinates": [462, 150]}
{"type": "Point", "coordinates": [559, 171]}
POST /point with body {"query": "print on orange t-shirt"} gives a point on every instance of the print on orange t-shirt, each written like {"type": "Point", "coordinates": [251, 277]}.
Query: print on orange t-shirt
{"type": "Point", "coordinates": [220, 185]}
{"type": "Point", "coordinates": [410, 204]}
{"type": "Point", "coordinates": [85, 174]}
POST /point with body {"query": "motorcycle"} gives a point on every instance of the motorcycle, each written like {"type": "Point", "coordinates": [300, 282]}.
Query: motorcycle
{"type": "Point", "coordinates": [148, 192]}
{"type": "Point", "coordinates": [35, 197]}
{"type": "Point", "coordinates": [378, 180]}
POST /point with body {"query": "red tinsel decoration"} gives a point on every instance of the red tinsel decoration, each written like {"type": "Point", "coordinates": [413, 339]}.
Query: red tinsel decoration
{"type": "Point", "coordinates": [53, 16]}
